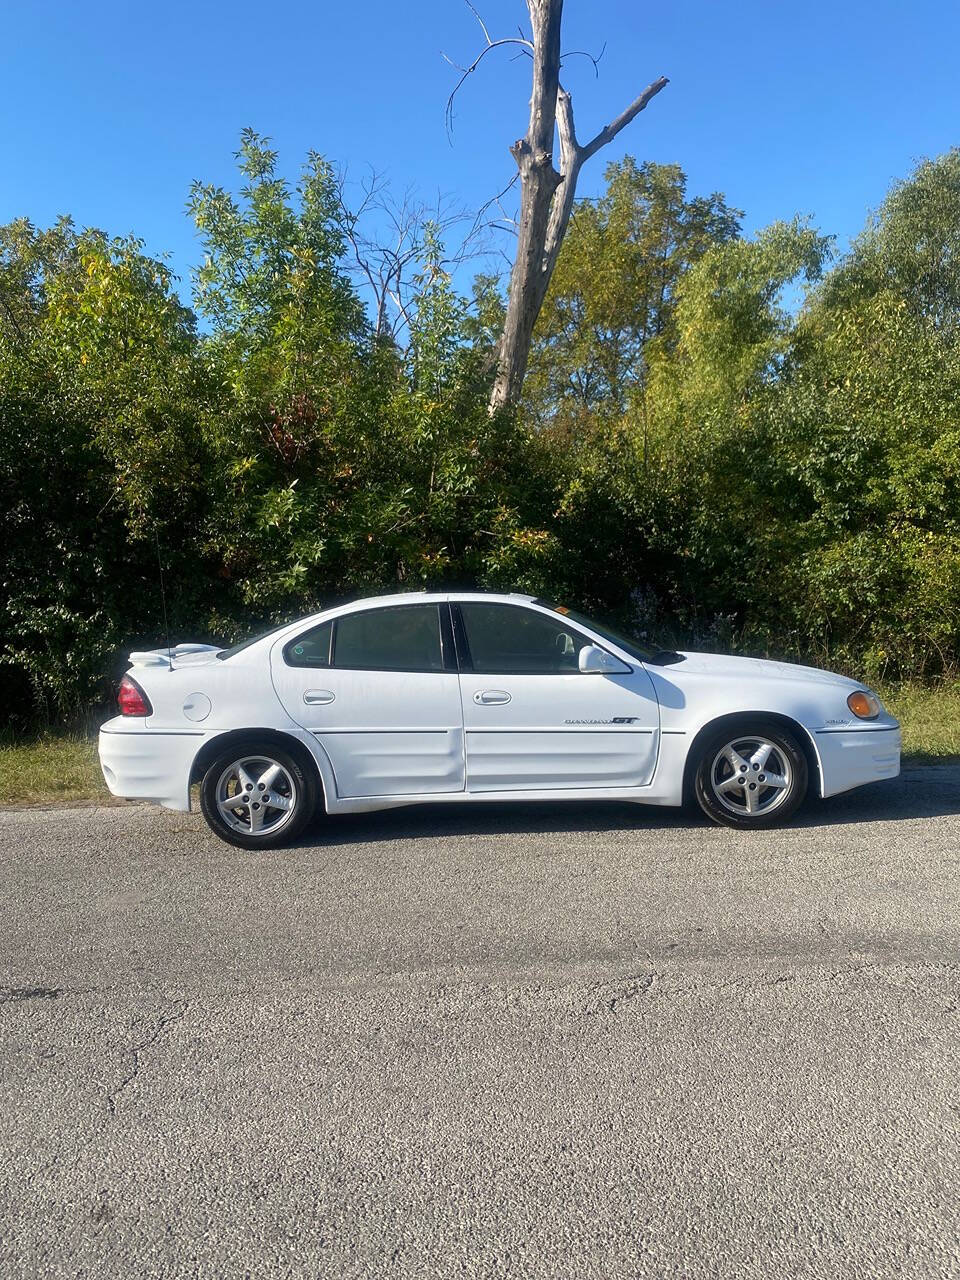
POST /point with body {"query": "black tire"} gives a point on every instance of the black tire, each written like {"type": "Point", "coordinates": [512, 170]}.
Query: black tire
{"type": "Point", "coordinates": [294, 783]}
{"type": "Point", "coordinates": [727, 801]}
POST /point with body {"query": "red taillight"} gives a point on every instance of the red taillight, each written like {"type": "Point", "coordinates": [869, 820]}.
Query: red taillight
{"type": "Point", "coordinates": [131, 699]}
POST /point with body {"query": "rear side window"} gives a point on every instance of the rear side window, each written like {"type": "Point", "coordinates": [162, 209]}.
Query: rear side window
{"type": "Point", "coordinates": [401, 639]}
{"type": "Point", "coordinates": [311, 649]}
{"type": "Point", "coordinates": [404, 638]}
{"type": "Point", "coordinates": [508, 640]}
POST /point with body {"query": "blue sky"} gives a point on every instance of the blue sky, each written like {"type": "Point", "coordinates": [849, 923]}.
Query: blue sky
{"type": "Point", "coordinates": [109, 110]}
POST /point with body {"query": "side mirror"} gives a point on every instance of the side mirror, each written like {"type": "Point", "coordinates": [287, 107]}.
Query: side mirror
{"type": "Point", "coordinates": [594, 659]}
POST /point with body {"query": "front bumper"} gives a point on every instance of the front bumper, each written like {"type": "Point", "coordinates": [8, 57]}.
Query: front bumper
{"type": "Point", "coordinates": [148, 764]}
{"type": "Point", "coordinates": [851, 757]}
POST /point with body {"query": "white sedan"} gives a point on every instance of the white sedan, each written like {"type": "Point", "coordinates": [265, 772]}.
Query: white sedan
{"type": "Point", "coordinates": [468, 697]}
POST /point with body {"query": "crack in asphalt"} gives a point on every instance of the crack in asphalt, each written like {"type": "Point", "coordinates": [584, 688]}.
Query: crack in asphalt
{"type": "Point", "coordinates": [642, 984]}
{"type": "Point", "coordinates": [639, 985]}
{"type": "Point", "coordinates": [630, 989]}
{"type": "Point", "coordinates": [135, 1051]}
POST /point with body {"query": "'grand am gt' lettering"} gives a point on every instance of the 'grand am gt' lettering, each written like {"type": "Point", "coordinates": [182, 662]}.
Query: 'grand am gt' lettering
{"type": "Point", "coordinates": [615, 720]}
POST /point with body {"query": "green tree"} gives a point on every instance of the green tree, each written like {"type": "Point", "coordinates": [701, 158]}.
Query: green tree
{"type": "Point", "coordinates": [614, 288]}
{"type": "Point", "coordinates": [909, 248]}
{"type": "Point", "coordinates": [291, 429]}
{"type": "Point", "coordinates": [99, 391]}
{"type": "Point", "coordinates": [678, 508]}
{"type": "Point", "coordinates": [342, 465]}
{"type": "Point", "coordinates": [872, 414]}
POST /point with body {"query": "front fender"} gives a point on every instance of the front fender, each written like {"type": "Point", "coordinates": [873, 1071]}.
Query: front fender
{"type": "Point", "coordinates": [694, 703]}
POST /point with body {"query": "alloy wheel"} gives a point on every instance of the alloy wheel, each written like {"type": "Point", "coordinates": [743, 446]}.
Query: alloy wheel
{"type": "Point", "coordinates": [750, 777]}
{"type": "Point", "coordinates": [256, 796]}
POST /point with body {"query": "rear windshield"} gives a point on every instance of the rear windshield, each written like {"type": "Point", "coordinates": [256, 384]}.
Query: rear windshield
{"type": "Point", "coordinates": [224, 654]}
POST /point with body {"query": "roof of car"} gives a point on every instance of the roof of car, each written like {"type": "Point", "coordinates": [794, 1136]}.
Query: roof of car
{"type": "Point", "coordinates": [398, 598]}
{"type": "Point", "coordinates": [405, 597]}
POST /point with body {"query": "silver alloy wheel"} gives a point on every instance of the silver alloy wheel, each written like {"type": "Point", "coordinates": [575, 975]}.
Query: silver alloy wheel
{"type": "Point", "coordinates": [750, 776]}
{"type": "Point", "coordinates": [256, 796]}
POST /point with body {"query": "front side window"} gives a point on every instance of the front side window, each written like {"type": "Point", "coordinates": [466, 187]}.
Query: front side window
{"type": "Point", "coordinates": [406, 638]}
{"type": "Point", "coordinates": [505, 639]}
{"type": "Point", "coordinates": [619, 638]}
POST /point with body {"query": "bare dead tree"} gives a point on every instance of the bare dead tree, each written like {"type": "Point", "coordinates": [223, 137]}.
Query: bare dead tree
{"type": "Point", "coordinates": [385, 236]}
{"type": "Point", "coordinates": [547, 195]}
{"type": "Point", "coordinates": [381, 258]}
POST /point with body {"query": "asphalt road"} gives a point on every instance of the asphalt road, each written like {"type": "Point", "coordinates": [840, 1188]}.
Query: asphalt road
{"type": "Point", "coordinates": [504, 1042]}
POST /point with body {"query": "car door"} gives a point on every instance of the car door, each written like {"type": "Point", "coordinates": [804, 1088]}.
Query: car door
{"type": "Point", "coordinates": [379, 688]}
{"type": "Point", "coordinates": [533, 720]}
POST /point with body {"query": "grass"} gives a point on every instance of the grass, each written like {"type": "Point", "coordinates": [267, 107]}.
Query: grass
{"type": "Point", "coordinates": [52, 769]}
{"type": "Point", "coordinates": [930, 718]}
{"type": "Point", "coordinates": [63, 769]}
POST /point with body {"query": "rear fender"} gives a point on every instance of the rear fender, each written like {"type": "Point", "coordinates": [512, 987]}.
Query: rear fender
{"type": "Point", "coordinates": [302, 746]}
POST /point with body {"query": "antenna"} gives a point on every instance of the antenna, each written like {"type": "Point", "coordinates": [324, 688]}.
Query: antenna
{"type": "Point", "coordinates": [163, 598]}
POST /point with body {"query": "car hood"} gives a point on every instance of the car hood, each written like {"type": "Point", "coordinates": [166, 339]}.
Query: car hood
{"type": "Point", "coordinates": [719, 664]}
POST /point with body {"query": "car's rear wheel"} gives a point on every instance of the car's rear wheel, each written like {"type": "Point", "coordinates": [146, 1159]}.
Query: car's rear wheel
{"type": "Point", "coordinates": [257, 796]}
{"type": "Point", "coordinates": [752, 776]}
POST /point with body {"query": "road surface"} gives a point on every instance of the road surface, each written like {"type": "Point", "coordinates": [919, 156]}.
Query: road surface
{"type": "Point", "coordinates": [595, 1041]}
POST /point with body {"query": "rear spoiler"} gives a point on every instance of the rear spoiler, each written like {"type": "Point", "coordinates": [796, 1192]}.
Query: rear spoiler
{"type": "Point", "coordinates": [165, 657]}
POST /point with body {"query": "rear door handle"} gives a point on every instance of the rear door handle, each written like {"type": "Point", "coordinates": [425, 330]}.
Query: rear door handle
{"type": "Point", "coordinates": [491, 697]}
{"type": "Point", "coordinates": [313, 696]}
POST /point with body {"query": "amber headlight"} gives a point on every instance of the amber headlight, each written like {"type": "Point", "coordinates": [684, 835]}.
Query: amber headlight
{"type": "Point", "coordinates": [864, 704]}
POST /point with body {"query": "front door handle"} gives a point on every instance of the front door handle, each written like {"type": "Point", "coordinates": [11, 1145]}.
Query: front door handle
{"type": "Point", "coordinates": [313, 696]}
{"type": "Point", "coordinates": [491, 697]}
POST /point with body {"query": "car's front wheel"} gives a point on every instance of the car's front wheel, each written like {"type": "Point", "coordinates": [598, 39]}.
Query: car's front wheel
{"type": "Point", "coordinates": [257, 796]}
{"type": "Point", "coordinates": [754, 776]}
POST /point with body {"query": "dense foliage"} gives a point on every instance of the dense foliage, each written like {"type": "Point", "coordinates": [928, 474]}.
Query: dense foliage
{"type": "Point", "coordinates": [693, 458]}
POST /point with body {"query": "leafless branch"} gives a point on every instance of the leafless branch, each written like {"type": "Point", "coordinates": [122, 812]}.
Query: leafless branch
{"type": "Point", "coordinates": [526, 48]}
{"type": "Point", "coordinates": [468, 71]}
{"type": "Point", "coordinates": [610, 131]}
{"type": "Point", "coordinates": [582, 53]}
{"type": "Point", "coordinates": [496, 200]}
{"type": "Point", "coordinates": [486, 33]}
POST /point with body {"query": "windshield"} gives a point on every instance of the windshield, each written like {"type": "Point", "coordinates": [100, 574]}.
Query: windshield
{"type": "Point", "coordinates": [629, 645]}
{"type": "Point", "coordinates": [223, 654]}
